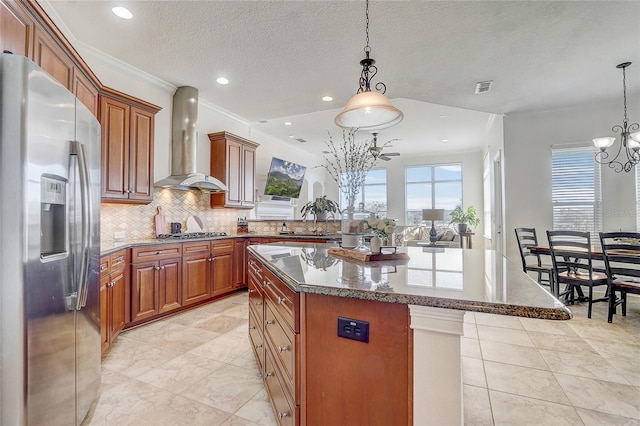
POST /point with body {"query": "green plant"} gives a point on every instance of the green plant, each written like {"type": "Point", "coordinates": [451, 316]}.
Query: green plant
{"type": "Point", "coordinates": [458, 215]}
{"type": "Point", "coordinates": [319, 205]}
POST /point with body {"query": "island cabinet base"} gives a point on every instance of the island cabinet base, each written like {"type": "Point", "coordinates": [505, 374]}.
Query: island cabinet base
{"type": "Point", "coordinates": [348, 382]}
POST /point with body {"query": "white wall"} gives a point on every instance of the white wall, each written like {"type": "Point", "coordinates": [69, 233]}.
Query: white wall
{"type": "Point", "coordinates": [527, 143]}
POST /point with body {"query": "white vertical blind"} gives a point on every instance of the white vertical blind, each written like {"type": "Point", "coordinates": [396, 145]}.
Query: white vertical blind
{"type": "Point", "coordinates": [486, 186]}
{"type": "Point", "coordinates": [576, 191]}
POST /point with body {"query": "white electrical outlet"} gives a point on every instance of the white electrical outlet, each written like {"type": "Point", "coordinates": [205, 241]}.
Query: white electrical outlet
{"type": "Point", "coordinates": [119, 235]}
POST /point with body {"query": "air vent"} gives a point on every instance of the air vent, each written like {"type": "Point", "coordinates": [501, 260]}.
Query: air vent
{"type": "Point", "coordinates": [263, 121]}
{"type": "Point", "coordinates": [483, 86]}
{"type": "Point", "coordinates": [300, 140]}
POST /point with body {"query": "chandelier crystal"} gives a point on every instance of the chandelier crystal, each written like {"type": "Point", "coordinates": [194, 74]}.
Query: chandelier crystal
{"type": "Point", "coordinates": [629, 138]}
{"type": "Point", "coordinates": [369, 110]}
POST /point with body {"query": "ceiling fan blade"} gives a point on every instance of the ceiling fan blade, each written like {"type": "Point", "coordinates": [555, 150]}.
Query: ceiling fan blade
{"type": "Point", "coordinates": [384, 157]}
{"type": "Point", "coordinates": [391, 154]}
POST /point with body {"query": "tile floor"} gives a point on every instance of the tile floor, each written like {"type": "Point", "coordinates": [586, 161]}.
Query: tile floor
{"type": "Point", "coordinates": [197, 368]}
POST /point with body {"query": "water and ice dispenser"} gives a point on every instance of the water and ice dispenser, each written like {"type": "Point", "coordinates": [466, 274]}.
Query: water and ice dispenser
{"type": "Point", "coordinates": [53, 215]}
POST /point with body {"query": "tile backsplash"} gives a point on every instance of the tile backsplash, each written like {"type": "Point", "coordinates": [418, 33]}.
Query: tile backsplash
{"type": "Point", "coordinates": [138, 221]}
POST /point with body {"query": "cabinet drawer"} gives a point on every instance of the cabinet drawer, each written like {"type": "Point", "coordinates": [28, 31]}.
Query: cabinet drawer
{"type": "Point", "coordinates": [118, 260]}
{"type": "Point", "coordinates": [197, 248]}
{"type": "Point", "coordinates": [257, 341]}
{"type": "Point", "coordinates": [256, 301]}
{"type": "Point", "coordinates": [105, 265]}
{"type": "Point", "coordinates": [165, 251]}
{"type": "Point", "coordinates": [255, 269]}
{"type": "Point", "coordinates": [279, 338]}
{"type": "Point", "coordinates": [282, 297]}
{"type": "Point", "coordinates": [285, 412]}
{"type": "Point", "coordinates": [224, 246]}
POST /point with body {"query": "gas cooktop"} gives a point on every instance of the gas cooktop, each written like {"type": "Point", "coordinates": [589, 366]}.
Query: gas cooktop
{"type": "Point", "coordinates": [190, 235]}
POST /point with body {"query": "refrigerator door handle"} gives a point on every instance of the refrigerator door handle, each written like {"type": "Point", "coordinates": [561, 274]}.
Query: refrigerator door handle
{"type": "Point", "coordinates": [78, 149]}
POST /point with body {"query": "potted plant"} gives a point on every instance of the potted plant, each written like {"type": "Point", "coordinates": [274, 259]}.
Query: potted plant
{"type": "Point", "coordinates": [464, 218]}
{"type": "Point", "coordinates": [319, 207]}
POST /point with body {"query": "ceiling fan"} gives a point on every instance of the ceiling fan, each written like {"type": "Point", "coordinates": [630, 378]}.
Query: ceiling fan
{"type": "Point", "coordinates": [376, 150]}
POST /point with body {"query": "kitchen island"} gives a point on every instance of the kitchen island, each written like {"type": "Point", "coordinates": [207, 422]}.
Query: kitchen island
{"type": "Point", "coordinates": [348, 342]}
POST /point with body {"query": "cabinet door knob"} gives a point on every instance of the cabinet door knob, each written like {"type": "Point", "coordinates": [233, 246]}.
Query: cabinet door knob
{"type": "Point", "coordinates": [257, 303]}
{"type": "Point", "coordinates": [253, 327]}
{"type": "Point", "coordinates": [283, 348]}
{"type": "Point", "coordinates": [282, 415]}
{"type": "Point", "coordinates": [267, 322]}
{"type": "Point", "coordinates": [162, 267]}
{"type": "Point", "coordinates": [158, 252]}
{"type": "Point", "coordinates": [258, 346]}
{"type": "Point", "coordinates": [281, 300]}
{"type": "Point", "coordinates": [267, 375]}
{"type": "Point", "coordinates": [251, 290]}
{"type": "Point", "coordinates": [157, 268]}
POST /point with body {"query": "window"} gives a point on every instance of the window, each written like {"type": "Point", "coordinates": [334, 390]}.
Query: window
{"type": "Point", "coordinates": [575, 190]}
{"type": "Point", "coordinates": [432, 187]}
{"type": "Point", "coordinates": [373, 193]}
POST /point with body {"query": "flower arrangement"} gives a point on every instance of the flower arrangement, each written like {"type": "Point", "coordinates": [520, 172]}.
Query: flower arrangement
{"type": "Point", "coordinates": [382, 228]}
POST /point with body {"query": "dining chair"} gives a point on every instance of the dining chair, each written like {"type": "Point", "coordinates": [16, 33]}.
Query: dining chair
{"type": "Point", "coordinates": [621, 251]}
{"type": "Point", "coordinates": [527, 238]}
{"type": "Point", "coordinates": [573, 265]}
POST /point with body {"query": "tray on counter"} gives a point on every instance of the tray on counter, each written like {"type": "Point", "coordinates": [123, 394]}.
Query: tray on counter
{"type": "Point", "coordinates": [365, 257]}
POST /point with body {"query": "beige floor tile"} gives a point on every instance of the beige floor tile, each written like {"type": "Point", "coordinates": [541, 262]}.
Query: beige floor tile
{"type": "Point", "coordinates": [223, 323]}
{"type": "Point", "coordinates": [511, 409]}
{"type": "Point", "coordinates": [547, 326]}
{"type": "Point", "coordinates": [477, 408]}
{"type": "Point", "coordinates": [174, 336]}
{"type": "Point", "coordinates": [614, 348]}
{"type": "Point", "coordinates": [506, 353]}
{"type": "Point", "coordinates": [227, 388]}
{"type": "Point", "coordinates": [226, 348]}
{"type": "Point", "coordinates": [599, 329]}
{"type": "Point", "coordinates": [504, 335]}
{"type": "Point", "coordinates": [503, 321]}
{"type": "Point", "coordinates": [133, 358]}
{"type": "Point", "coordinates": [607, 397]}
{"type": "Point", "coordinates": [258, 409]}
{"type": "Point", "coordinates": [180, 373]}
{"type": "Point", "coordinates": [524, 381]}
{"type": "Point", "coordinates": [238, 421]}
{"type": "Point", "coordinates": [470, 348]}
{"type": "Point", "coordinates": [583, 365]}
{"type": "Point", "coordinates": [238, 310]}
{"type": "Point", "coordinates": [561, 343]}
{"type": "Point", "coordinates": [595, 418]}
{"type": "Point", "coordinates": [473, 372]}
{"type": "Point", "coordinates": [627, 368]}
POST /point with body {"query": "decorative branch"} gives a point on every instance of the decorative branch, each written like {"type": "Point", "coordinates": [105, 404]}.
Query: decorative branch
{"type": "Point", "coordinates": [349, 162]}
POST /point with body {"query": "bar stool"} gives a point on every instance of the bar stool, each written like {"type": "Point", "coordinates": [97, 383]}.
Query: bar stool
{"type": "Point", "coordinates": [526, 238]}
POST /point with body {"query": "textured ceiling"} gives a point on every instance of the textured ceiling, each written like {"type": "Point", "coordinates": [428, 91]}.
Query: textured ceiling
{"type": "Point", "coordinates": [283, 56]}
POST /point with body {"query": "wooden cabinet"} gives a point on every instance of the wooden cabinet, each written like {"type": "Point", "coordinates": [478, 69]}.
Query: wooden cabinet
{"type": "Point", "coordinates": [303, 360]}
{"type": "Point", "coordinates": [223, 267]}
{"type": "Point", "coordinates": [53, 58]}
{"type": "Point", "coordinates": [240, 263]}
{"type": "Point", "coordinates": [156, 280]}
{"type": "Point", "coordinates": [16, 29]}
{"type": "Point", "coordinates": [233, 161]}
{"type": "Point", "coordinates": [114, 280]}
{"type": "Point", "coordinates": [127, 148]}
{"type": "Point", "coordinates": [196, 272]}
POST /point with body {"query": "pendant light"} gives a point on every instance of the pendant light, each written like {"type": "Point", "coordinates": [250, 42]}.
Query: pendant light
{"type": "Point", "coordinates": [369, 110]}
{"type": "Point", "coordinates": [630, 141]}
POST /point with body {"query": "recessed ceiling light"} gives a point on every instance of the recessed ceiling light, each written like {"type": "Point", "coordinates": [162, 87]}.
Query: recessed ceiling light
{"type": "Point", "coordinates": [122, 12]}
{"type": "Point", "coordinates": [327, 98]}
{"type": "Point", "coordinates": [445, 140]}
{"type": "Point", "coordinates": [287, 123]}
{"type": "Point", "coordinates": [222, 80]}
{"type": "Point", "coordinates": [443, 116]}
{"type": "Point", "coordinates": [292, 136]}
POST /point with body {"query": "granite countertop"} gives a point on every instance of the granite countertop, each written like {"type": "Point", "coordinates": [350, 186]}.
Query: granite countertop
{"type": "Point", "coordinates": [111, 246]}
{"type": "Point", "coordinates": [465, 279]}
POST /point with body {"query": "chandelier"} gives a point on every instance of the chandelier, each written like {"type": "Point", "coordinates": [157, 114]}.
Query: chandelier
{"type": "Point", "coordinates": [628, 140]}
{"type": "Point", "coordinates": [369, 110]}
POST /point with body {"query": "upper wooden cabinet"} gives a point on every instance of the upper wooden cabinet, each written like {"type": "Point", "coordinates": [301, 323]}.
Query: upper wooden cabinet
{"type": "Point", "coordinates": [16, 29]}
{"type": "Point", "coordinates": [25, 29]}
{"type": "Point", "coordinates": [233, 161]}
{"type": "Point", "coordinates": [127, 148]}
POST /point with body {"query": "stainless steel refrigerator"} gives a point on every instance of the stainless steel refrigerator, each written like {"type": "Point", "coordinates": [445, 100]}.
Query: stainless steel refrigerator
{"type": "Point", "coordinates": [49, 249]}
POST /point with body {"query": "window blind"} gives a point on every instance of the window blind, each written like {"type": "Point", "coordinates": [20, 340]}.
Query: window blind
{"type": "Point", "coordinates": [576, 191]}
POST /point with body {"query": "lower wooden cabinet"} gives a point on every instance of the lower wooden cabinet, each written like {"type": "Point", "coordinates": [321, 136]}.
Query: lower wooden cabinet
{"type": "Point", "coordinates": [114, 286]}
{"type": "Point", "coordinates": [156, 288]}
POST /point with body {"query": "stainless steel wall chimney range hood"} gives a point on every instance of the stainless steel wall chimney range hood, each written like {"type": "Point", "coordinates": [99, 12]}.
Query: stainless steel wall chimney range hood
{"type": "Point", "coordinates": [184, 142]}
